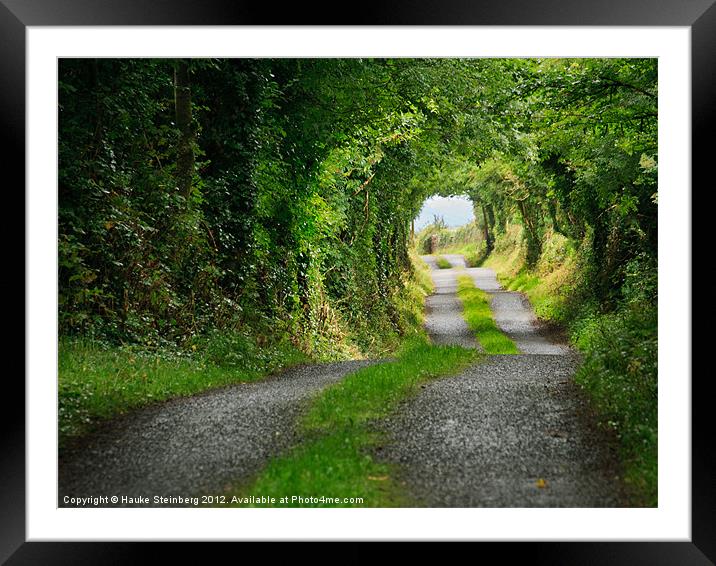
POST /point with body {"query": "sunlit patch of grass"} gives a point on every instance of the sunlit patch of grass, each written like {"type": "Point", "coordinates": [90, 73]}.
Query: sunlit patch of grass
{"type": "Point", "coordinates": [422, 274]}
{"type": "Point", "coordinates": [335, 470]}
{"type": "Point", "coordinates": [549, 284]}
{"type": "Point", "coordinates": [442, 263]}
{"type": "Point", "coordinates": [336, 461]}
{"type": "Point", "coordinates": [473, 252]}
{"type": "Point", "coordinates": [524, 282]}
{"type": "Point", "coordinates": [478, 315]}
{"type": "Point", "coordinates": [508, 257]}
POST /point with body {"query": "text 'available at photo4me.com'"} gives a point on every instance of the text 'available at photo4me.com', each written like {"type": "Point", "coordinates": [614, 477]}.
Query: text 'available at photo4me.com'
{"type": "Point", "coordinates": [205, 500]}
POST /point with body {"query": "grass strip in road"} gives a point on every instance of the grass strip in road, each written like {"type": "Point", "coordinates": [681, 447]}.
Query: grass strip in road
{"type": "Point", "coordinates": [478, 315]}
{"type": "Point", "coordinates": [473, 253]}
{"type": "Point", "coordinates": [443, 263]}
{"type": "Point", "coordinates": [336, 462]}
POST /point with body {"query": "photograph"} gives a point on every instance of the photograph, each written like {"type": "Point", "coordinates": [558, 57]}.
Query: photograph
{"type": "Point", "coordinates": [422, 276]}
{"type": "Point", "coordinates": [363, 282]}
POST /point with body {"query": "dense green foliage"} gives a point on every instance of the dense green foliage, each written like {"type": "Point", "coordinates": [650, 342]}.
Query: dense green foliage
{"type": "Point", "coordinates": [201, 194]}
{"type": "Point", "coordinates": [338, 460]}
{"type": "Point", "coordinates": [295, 218]}
{"type": "Point", "coordinates": [620, 373]}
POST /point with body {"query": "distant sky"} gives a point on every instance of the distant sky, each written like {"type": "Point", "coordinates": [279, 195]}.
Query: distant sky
{"type": "Point", "coordinates": [456, 211]}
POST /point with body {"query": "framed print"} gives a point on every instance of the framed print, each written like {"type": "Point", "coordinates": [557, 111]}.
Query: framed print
{"type": "Point", "coordinates": [221, 182]}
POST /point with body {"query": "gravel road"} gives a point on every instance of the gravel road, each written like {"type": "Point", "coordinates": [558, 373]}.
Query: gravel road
{"type": "Point", "coordinates": [197, 445]}
{"type": "Point", "coordinates": [443, 310]}
{"type": "Point", "coordinates": [511, 431]}
{"type": "Point", "coordinates": [514, 315]}
{"type": "Point", "coordinates": [512, 311]}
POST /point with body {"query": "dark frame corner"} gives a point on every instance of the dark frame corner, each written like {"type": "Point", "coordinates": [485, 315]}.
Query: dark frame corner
{"type": "Point", "coordinates": [699, 15]}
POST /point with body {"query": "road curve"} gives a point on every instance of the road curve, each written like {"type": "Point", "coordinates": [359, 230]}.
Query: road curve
{"type": "Point", "coordinates": [514, 315]}
{"type": "Point", "coordinates": [196, 445]}
{"type": "Point", "coordinates": [512, 311]}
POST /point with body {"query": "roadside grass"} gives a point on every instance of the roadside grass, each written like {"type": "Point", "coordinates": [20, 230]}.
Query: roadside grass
{"type": "Point", "coordinates": [97, 381]}
{"type": "Point", "coordinates": [549, 284]}
{"type": "Point", "coordinates": [336, 459]}
{"type": "Point", "coordinates": [620, 373]}
{"type": "Point", "coordinates": [442, 263]}
{"type": "Point", "coordinates": [478, 315]}
{"type": "Point", "coordinates": [422, 277]}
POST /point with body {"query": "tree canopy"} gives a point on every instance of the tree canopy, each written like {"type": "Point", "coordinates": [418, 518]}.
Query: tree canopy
{"type": "Point", "coordinates": [206, 193]}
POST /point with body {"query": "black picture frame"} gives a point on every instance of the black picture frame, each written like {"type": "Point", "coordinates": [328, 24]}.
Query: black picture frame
{"type": "Point", "coordinates": [699, 15]}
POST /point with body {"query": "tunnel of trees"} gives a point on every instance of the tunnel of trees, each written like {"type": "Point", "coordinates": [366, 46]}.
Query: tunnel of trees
{"type": "Point", "coordinates": [276, 195]}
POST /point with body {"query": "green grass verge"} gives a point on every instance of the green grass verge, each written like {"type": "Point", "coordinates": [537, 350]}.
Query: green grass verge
{"type": "Point", "coordinates": [98, 381]}
{"type": "Point", "coordinates": [442, 263]}
{"type": "Point", "coordinates": [422, 277]}
{"type": "Point", "coordinates": [336, 461]}
{"type": "Point", "coordinates": [620, 374]}
{"type": "Point", "coordinates": [478, 315]}
{"type": "Point", "coordinates": [549, 285]}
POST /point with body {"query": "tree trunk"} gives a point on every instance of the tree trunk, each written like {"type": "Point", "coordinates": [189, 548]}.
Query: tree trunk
{"type": "Point", "coordinates": [489, 238]}
{"type": "Point", "coordinates": [556, 226]}
{"type": "Point", "coordinates": [534, 244]}
{"type": "Point", "coordinates": [182, 105]}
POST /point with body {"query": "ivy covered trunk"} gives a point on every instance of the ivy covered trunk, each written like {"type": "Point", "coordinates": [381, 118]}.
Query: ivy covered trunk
{"type": "Point", "coordinates": [185, 146]}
